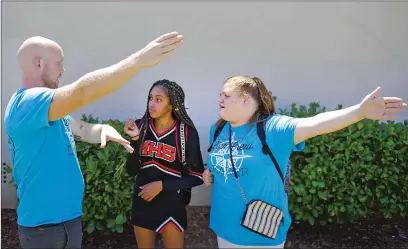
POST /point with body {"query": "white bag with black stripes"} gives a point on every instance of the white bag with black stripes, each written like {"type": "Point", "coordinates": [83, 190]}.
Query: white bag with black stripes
{"type": "Point", "coordinates": [259, 217]}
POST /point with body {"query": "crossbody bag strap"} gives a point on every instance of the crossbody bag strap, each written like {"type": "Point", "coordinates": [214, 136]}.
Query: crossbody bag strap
{"type": "Point", "coordinates": [233, 167]}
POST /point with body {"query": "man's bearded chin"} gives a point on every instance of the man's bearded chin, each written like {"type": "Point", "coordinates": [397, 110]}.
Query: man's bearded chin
{"type": "Point", "coordinates": [54, 85]}
{"type": "Point", "coordinates": [51, 84]}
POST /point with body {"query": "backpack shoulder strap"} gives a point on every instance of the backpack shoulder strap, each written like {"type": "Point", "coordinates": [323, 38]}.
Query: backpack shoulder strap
{"type": "Point", "coordinates": [139, 123]}
{"type": "Point", "coordinates": [265, 148]}
{"type": "Point", "coordinates": [182, 132]}
{"type": "Point", "coordinates": [217, 132]}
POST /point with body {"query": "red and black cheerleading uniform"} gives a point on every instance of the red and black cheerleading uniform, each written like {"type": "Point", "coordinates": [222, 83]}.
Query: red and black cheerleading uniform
{"type": "Point", "coordinates": [161, 161]}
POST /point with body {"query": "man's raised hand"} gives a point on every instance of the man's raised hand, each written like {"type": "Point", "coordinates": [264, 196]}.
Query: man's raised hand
{"type": "Point", "coordinates": [160, 49]}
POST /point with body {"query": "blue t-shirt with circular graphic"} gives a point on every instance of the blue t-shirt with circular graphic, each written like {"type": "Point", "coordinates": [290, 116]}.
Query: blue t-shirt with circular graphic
{"type": "Point", "coordinates": [257, 175]}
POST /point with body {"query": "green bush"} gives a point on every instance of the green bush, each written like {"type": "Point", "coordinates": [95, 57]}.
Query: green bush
{"type": "Point", "coordinates": [350, 174]}
{"type": "Point", "coordinates": [109, 188]}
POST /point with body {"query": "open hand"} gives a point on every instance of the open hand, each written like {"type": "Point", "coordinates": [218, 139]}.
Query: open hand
{"type": "Point", "coordinates": [131, 128]}
{"type": "Point", "coordinates": [150, 190]}
{"type": "Point", "coordinates": [110, 134]}
{"type": "Point", "coordinates": [381, 108]}
{"type": "Point", "coordinates": [160, 49]}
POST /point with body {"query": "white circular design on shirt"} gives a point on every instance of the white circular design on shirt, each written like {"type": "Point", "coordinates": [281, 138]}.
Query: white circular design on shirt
{"type": "Point", "coordinates": [220, 157]}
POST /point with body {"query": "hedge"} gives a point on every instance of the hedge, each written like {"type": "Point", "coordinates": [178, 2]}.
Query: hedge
{"type": "Point", "coordinates": [353, 173]}
{"type": "Point", "coordinates": [108, 187]}
{"type": "Point", "coordinates": [340, 177]}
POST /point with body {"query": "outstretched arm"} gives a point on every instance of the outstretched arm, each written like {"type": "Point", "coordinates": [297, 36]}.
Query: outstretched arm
{"type": "Point", "coordinates": [194, 161]}
{"type": "Point", "coordinates": [371, 107]}
{"type": "Point", "coordinates": [326, 122]}
{"type": "Point", "coordinates": [102, 82]}
{"type": "Point", "coordinates": [97, 133]}
{"type": "Point", "coordinates": [85, 132]}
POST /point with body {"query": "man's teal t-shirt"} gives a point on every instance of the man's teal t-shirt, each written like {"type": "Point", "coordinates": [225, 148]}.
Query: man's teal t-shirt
{"type": "Point", "coordinates": [50, 185]}
{"type": "Point", "coordinates": [257, 175]}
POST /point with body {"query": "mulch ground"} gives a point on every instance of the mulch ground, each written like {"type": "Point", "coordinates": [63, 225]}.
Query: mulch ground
{"type": "Point", "coordinates": [375, 233]}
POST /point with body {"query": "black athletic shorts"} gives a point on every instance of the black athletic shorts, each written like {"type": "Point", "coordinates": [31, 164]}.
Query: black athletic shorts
{"type": "Point", "coordinates": [166, 209]}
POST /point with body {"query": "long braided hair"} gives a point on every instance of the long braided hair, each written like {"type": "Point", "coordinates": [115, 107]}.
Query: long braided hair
{"type": "Point", "coordinates": [177, 98]}
{"type": "Point", "coordinates": [257, 89]}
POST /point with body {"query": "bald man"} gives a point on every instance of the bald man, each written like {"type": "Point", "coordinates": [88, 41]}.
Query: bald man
{"type": "Point", "coordinates": [41, 132]}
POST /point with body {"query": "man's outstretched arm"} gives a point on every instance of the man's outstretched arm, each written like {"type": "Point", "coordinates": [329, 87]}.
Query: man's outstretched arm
{"type": "Point", "coordinates": [86, 132]}
{"type": "Point", "coordinates": [102, 82]}
{"type": "Point", "coordinates": [97, 133]}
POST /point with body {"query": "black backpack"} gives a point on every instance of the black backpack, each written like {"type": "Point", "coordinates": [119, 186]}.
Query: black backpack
{"type": "Point", "coordinates": [265, 148]}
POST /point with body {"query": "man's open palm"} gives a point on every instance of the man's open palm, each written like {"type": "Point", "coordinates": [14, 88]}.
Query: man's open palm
{"type": "Point", "coordinates": [110, 134]}
{"type": "Point", "coordinates": [160, 49]}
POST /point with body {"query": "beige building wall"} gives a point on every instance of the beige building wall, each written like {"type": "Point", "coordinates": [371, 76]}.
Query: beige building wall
{"type": "Point", "coordinates": [334, 52]}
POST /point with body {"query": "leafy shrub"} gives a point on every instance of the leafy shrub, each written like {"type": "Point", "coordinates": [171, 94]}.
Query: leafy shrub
{"type": "Point", "coordinates": [9, 170]}
{"type": "Point", "coordinates": [108, 191]}
{"type": "Point", "coordinates": [351, 173]}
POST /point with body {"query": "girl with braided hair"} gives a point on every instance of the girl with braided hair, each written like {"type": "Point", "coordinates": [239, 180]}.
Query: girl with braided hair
{"type": "Point", "coordinates": [168, 163]}
{"type": "Point", "coordinates": [248, 161]}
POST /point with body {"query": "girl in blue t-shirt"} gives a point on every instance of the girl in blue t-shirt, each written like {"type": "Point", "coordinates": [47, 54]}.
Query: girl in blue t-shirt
{"type": "Point", "coordinates": [249, 204]}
